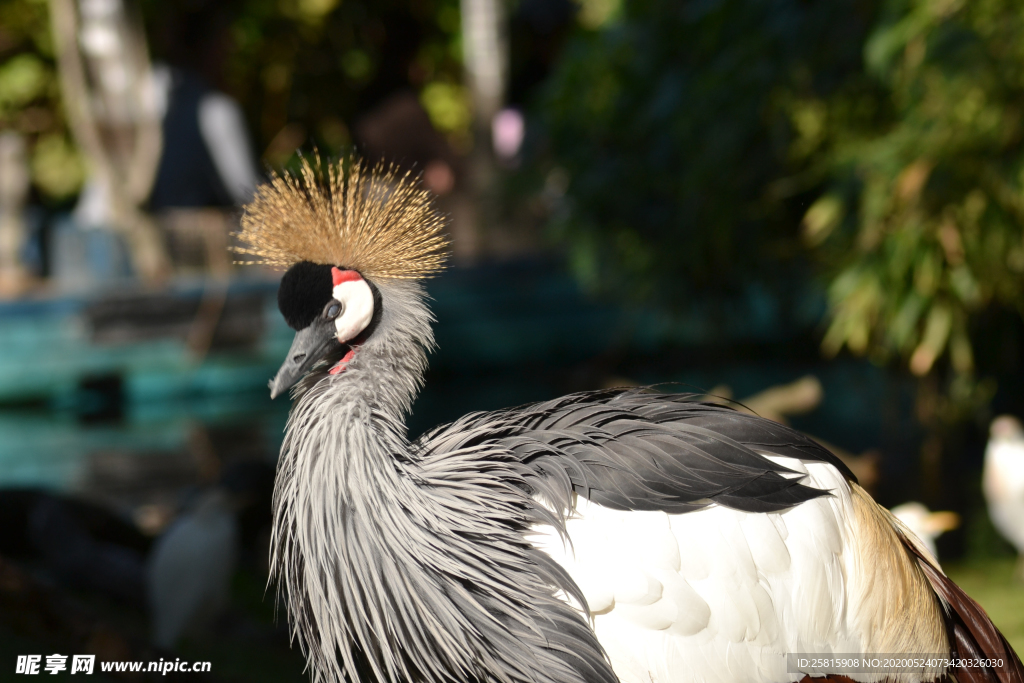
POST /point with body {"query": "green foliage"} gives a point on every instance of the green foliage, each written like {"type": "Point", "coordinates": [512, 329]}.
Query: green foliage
{"type": "Point", "coordinates": [304, 70]}
{"type": "Point", "coordinates": [672, 124]}
{"type": "Point", "coordinates": [23, 78]}
{"type": "Point", "coordinates": [448, 106]}
{"type": "Point", "coordinates": [923, 223]}
{"type": "Point", "coordinates": [695, 146]}
{"type": "Point", "coordinates": [30, 98]}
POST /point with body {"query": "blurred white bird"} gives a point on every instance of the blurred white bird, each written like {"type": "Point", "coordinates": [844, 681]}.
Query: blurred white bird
{"type": "Point", "coordinates": [1003, 482]}
{"type": "Point", "coordinates": [925, 524]}
{"type": "Point", "coordinates": [189, 573]}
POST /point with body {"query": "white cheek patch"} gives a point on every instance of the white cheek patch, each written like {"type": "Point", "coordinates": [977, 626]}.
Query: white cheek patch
{"type": "Point", "coordinates": [356, 297]}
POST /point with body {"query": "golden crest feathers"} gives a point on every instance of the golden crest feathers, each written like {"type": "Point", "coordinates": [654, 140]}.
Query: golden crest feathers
{"type": "Point", "coordinates": [377, 221]}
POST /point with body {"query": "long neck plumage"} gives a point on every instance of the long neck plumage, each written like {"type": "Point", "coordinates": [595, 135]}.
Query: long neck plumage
{"type": "Point", "coordinates": [343, 463]}
{"type": "Point", "coordinates": [406, 565]}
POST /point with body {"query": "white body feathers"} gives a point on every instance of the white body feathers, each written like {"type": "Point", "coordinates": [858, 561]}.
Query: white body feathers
{"type": "Point", "coordinates": [724, 595]}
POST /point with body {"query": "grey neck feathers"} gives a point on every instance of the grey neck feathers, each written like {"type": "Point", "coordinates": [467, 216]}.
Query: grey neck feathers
{"type": "Point", "coordinates": [398, 564]}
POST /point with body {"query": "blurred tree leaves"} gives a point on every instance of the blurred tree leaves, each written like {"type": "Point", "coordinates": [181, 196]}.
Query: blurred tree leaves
{"type": "Point", "coordinates": [682, 129]}
{"type": "Point", "coordinates": [695, 146]}
{"type": "Point", "coordinates": [922, 225]}
{"type": "Point", "coordinates": [30, 99]}
{"type": "Point", "coordinates": [303, 70]}
{"type": "Point", "coordinates": [449, 107]}
{"type": "Point", "coordinates": [23, 78]}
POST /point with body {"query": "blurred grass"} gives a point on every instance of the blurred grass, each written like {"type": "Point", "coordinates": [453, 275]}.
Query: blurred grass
{"type": "Point", "coordinates": [991, 582]}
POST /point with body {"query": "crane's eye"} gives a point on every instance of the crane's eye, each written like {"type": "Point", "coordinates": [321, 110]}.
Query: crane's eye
{"type": "Point", "coordinates": [333, 310]}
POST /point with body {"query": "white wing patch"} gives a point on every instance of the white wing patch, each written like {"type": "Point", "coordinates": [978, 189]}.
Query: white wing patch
{"type": "Point", "coordinates": [717, 594]}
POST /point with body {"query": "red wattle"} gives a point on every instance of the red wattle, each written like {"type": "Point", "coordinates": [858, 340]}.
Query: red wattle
{"type": "Point", "coordinates": [340, 365]}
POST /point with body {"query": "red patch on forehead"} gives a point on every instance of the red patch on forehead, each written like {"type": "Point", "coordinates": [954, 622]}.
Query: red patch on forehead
{"type": "Point", "coordinates": [340, 276]}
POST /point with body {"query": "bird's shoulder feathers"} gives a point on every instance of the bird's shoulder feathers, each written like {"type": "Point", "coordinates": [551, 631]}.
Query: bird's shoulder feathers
{"type": "Point", "coordinates": [631, 450]}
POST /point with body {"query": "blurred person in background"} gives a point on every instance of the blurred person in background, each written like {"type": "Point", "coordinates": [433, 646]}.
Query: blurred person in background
{"type": "Point", "coordinates": [206, 166]}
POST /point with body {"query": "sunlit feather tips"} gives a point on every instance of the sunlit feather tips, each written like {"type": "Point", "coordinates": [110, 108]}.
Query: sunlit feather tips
{"type": "Point", "coordinates": [377, 221]}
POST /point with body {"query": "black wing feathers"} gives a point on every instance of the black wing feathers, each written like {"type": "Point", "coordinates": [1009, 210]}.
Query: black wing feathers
{"type": "Point", "coordinates": [631, 450]}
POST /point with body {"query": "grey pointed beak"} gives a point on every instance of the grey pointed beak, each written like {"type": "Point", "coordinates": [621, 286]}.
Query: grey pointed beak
{"type": "Point", "coordinates": [309, 345]}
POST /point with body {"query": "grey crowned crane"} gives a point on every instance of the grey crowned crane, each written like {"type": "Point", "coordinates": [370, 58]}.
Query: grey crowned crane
{"type": "Point", "coordinates": [616, 535]}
